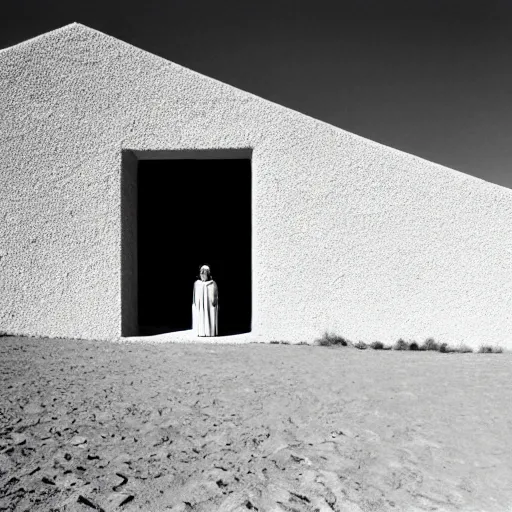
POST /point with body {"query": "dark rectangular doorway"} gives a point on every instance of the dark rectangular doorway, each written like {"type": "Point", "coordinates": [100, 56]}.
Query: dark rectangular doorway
{"type": "Point", "coordinates": [192, 212]}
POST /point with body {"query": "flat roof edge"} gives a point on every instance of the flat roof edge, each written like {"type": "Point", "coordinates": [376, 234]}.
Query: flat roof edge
{"type": "Point", "coordinates": [192, 154]}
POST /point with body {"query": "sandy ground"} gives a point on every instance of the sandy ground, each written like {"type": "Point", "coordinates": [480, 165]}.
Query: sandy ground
{"type": "Point", "coordinates": [87, 425]}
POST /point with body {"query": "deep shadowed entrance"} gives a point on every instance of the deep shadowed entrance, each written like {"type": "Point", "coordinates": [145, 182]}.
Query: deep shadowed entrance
{"type": "Point", "coordinates": [190, 213]}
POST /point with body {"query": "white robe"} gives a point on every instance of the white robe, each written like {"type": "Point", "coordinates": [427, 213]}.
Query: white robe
{"type": "Point", "coordinates": [205, 308]}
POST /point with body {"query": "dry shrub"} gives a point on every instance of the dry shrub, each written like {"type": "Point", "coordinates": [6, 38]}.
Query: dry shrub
{"type": "Point", "coordinates": [489, 349]}
{"type": "Point", "coordinates": [430, 344]}
{"type": "Point", "coordinates": [329, 339]}
{"type": "Point", "coordinates": [401, 345]}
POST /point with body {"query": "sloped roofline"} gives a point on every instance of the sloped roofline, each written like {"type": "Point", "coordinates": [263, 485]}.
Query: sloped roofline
{"type": "Point", "coordinates": [34, 39]}
{"type": "Point", "coordinates": [82, 27]}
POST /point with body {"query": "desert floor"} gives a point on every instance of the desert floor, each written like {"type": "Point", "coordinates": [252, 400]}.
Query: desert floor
{"type": "Point", "coordinates": [89, 425]}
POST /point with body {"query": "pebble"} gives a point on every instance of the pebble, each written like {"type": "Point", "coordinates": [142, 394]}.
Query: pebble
{"type": "Point", "coordinates": [118, 499]}
{"type": "Point", "coordinates": [90, 503]}
{"type": "Point", "coordinates": [18, 438]}
{"type": "Point", "coordinates": [78, 440]}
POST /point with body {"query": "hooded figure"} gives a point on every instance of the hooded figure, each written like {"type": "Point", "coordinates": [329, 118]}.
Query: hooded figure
{"type": "Point", "coordinates": [205, 304]}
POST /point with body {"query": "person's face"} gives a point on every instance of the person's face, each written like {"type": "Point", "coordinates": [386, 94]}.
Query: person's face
{"type": "Point", "coordinates": [204, 274]}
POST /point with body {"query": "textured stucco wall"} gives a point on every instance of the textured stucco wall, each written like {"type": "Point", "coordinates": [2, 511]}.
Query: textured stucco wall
{"type": "Point", "coordinates": [348, 235]}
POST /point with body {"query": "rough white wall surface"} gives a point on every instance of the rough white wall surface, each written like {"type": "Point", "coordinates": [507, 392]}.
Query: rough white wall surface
{"type": "Point", "coordinates": [348, 235]}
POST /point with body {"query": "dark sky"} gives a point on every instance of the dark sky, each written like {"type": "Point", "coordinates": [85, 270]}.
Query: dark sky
{"type": "Point", "coordinates": [430, 77]}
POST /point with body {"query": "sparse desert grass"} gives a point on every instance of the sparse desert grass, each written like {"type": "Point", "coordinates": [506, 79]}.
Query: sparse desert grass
{"type": "Point", "coordinates": [401, 345]}
{"type": "Point", "coordinates": [489, 349]}
{"type": "Point", "coordinates": [329, 339]}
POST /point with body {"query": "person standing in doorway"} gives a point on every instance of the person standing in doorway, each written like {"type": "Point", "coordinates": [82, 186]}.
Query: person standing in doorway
{"type": "Point", "coordinates": [205, 304]}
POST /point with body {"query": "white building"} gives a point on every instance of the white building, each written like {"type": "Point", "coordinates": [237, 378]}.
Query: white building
{"type": "Point", "coordinates": [308, 227]}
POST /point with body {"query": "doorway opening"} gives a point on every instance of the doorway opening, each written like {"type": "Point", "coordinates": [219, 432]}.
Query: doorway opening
{"type": "Point", "coordinates": [190, 212]}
